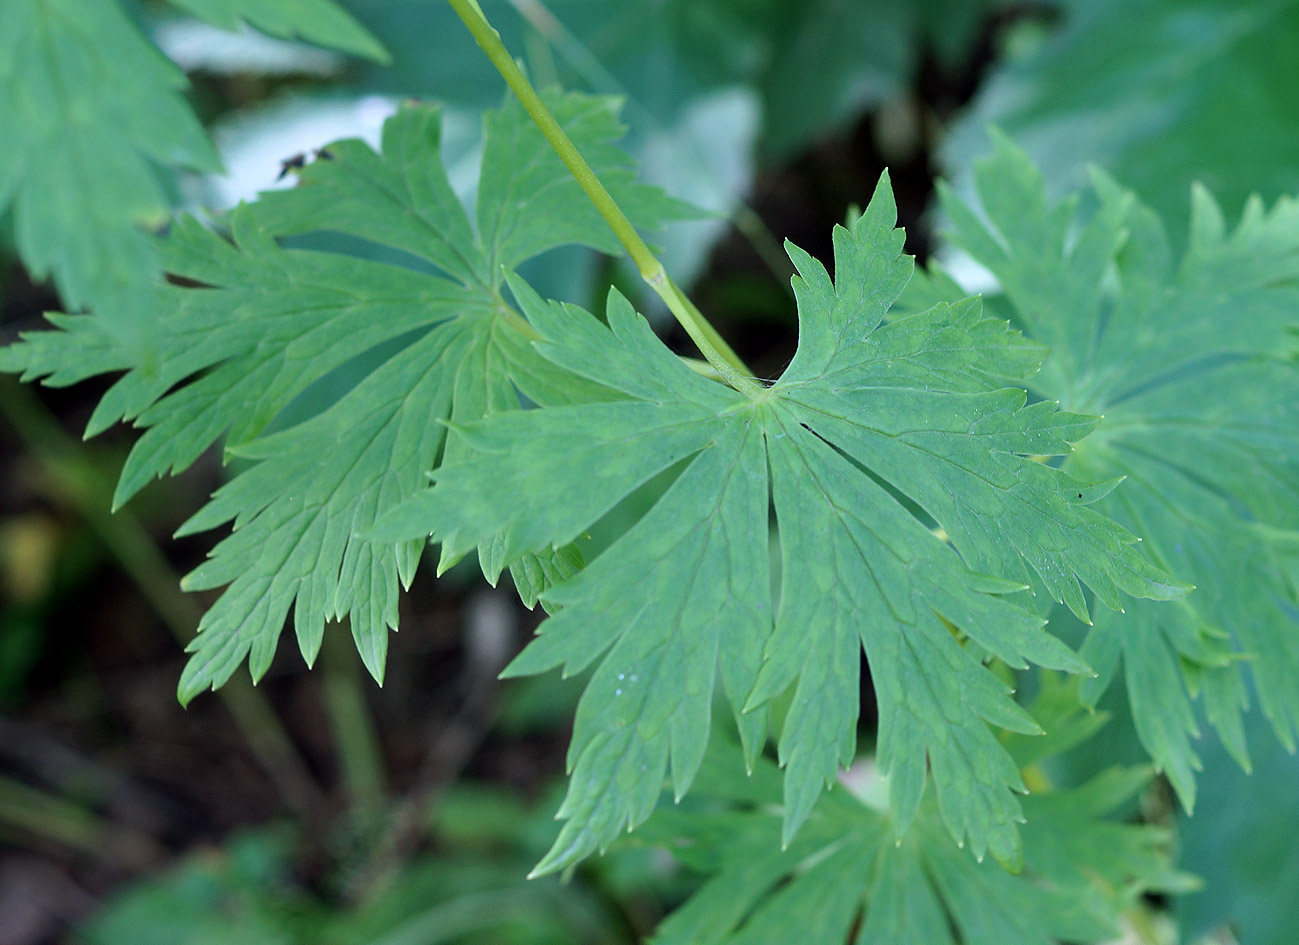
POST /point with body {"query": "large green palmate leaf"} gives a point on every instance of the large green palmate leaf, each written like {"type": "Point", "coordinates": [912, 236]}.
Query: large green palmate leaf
{"type": "Point", "coordinates": [267, 322]}
{"type": "Point", "coordinates": [868, 414]}
{"type": "Point", "coordinates": [847, 878]}
{"type": "Point", "coordinates": [94, 130]}
{"type": "Point", "coordinates": [1161, 93]}
{"type": "Point", "coordinates": [1192, 364]}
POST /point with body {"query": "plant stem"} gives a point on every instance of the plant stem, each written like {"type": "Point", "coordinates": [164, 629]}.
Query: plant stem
{"type": "Point", "coordinates": [53, 818]}
{"type": "Point", "coordinates": [488, 616]}
{"type": "Point", "coordinates": [355, 737]}
{"type": "Point", "coordinates": [596, 76]}
{"type": "Point", "coordinates": [765, 244]}
{"type": "Point", "coordinates": [34, 812]}
{"type": "Point", "coordinates": [717, 352]}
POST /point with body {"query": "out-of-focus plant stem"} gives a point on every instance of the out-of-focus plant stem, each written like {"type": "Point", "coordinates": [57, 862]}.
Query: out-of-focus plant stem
{"type": "Point", "coordinates": [76, 483]}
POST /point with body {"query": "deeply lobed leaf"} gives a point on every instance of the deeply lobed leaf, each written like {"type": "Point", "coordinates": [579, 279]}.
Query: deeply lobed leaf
{"type": "Point", "coordinates": [873, 425]}
{"type": "Point", "coordinates": [267, 326]}
{"type": "Point", "coordinates": [846, 871]}
{"type": "Point", "coordinates": [1190, 364]}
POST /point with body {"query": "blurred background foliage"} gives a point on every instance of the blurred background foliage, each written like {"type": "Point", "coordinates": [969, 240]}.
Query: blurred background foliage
{"type": "Point", "coordinates": [317, 809]}
{"type": "Point", "coordinates": [1159, 93]}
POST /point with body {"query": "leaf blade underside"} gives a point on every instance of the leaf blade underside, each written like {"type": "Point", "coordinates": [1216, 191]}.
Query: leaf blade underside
{"type": "Point", "coordinates": [1192, 364]}
{"type": "Point", "coordinates": [96, 128]}
{"type": "Point", "coordinates": [847, 870]}
{"type": "Point", "coordinates": [262, 327]}
{"type": "Point", "coordinates": [843, 408]}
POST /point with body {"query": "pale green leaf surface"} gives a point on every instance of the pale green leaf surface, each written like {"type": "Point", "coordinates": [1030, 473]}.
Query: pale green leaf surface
{"type": "Point", "coordinates": [95, 128]}
{"type": "Point", "coordinates": [296, 514]}
{"type": "Point", "coordinates": [1162, 93]}
{"type": "Point", "coordinates": [93, 125]}
{"type": "Point", "coordinates": [1188, 363]}
{"type": "Point", "coordinates": [534, 574]}
{"type": "Point", "coordinates": [321, 21]}
{"type": "Point", "coordinates": [1245, 848]}
{"type": "Point", "coordinates": [674, 601]}
{"type": "Point", "coordinates": [527, 200]}
{"type": "Point", "coordinates": [266, 323]}
{"type": "Point", "coordinates": [846, 871]}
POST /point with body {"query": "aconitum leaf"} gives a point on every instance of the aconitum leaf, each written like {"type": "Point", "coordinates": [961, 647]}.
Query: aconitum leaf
{"type": "Point", "coordinates": [874, 425]}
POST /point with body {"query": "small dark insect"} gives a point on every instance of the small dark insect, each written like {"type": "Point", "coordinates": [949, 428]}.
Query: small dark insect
{"type": "Point", "coordinates": [291, 164]}
{"type": "Point", "coordinates": [1080, 495]}
{"type": "Point", "coordinates": [324, 154]}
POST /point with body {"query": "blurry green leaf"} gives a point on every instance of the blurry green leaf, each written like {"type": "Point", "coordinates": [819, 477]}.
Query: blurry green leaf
{"type": "Point", "coordinates": [234, 896]}
{"type": "Point", "coordinates": [22, 639]}
{"type": "Point", "coordinates": [93, 127]}
{"type": "Point", "coordinates": [245, 893]}
{"type": "Point", "coordinates": [815, 64]}
{"type": "Point", "coordinates": [830, 60]}
{"type": "Point", "coordinates": [320, 21]}
{"type": "Point", "coordinates": [1064, 721]}
{"type": "Point", "coordinates": [465, 899]}
{"type": "Point", "coordinates": [456, 73]}
{"type": "Point", "coordinates": [846, 871]}
{"type": "Point", "coordinates": [473, 814]}
{"type": "Point", "coordinates": [197, 46]}
{"type": "Point", "coordinates": [1160, 93]}
{"type": "Point", "coordinates": [1243, 844]}
{"type": "Point", "coordinates": [705, 157]}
